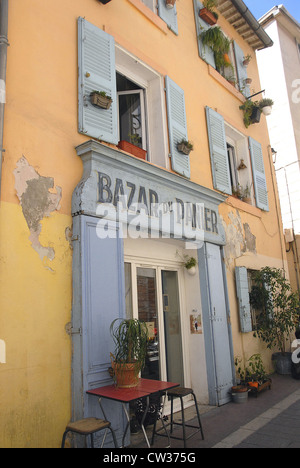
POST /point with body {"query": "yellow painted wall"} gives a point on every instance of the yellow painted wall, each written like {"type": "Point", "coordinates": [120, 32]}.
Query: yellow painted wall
{"type": "Point", "coordinates": [41, 124]}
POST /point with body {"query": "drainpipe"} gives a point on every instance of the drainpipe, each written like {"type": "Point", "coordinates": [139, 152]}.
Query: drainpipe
{"type": "Point", "coordinates": [3, 59]}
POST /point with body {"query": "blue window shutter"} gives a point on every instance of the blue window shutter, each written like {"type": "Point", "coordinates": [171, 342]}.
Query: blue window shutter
{"type": "Point", "coordinates": [97, 71]}
{"type": "Point", "coordinates": [259, 176]}
{"type": "Point", "coordinates": [205, 52]}
{"type": "Point", "coordinates": [242, 289]}
{"type": "Point", "coordinates": [177, 127]}
{"type": "Point", "coordinates": [218, 151]}
{"type": "Point", "coordinates": [241, 70]}
{"type": "Point", "coordinates": [169, 16]}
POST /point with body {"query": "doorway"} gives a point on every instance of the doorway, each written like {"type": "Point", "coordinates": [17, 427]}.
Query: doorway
{"type": "Point", "coordinates": [153, 295]}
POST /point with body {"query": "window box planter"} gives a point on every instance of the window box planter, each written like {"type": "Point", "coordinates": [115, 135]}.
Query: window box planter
{"type": "Point", "coordinates": [133, 149]}
{"type": "Point", "coordinates": [208, 16]}
{"type": "Point", "coordinates": [99, 99]}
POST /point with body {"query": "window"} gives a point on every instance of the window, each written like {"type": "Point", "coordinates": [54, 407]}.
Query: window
{"type": "Point", "coordinates": [232, 163]}
{"type": "Point", "coordinates": [139, 95]}
{"type": "Point", "coordinates": [239, 164]}
{"type": "Point", "coordinates": [131, 105]}
{"type": "Point", "coordinates": [141, 107]}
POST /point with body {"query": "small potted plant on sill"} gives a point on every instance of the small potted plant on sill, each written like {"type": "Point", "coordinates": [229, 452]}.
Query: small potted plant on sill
{"type": "Point", "coordinates": [208, 13]}
{"type": "Point", "coordinates": [170, 4]}
{"type": "Point", "coordinates": [242, 193]}
{"type": "Point", "coordinates": [246, 60]}
{"type": "Point", "coordinates": [266, 106]}
{"type": "Point", "coordinates": [100, 99]}
{"type": "Point", "coordinates": [185, 146]}
{"type": "Point", "coordinates": [133, 146]}
{"type": "Point", "coordinates": [130, 337]}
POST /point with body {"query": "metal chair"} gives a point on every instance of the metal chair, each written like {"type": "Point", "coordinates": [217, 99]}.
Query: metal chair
{"type": "Point", "coordinates": [180, 392]}
{"type": "Point", "coordinates": [89, 426]}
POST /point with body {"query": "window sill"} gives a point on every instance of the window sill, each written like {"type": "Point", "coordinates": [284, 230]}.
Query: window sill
{"type": "Point", "coordinates": [156, 20]}
{"type": "Point", "coordinates": [216, 75]}
{"type": "Point", "coordinates": [240, 205]}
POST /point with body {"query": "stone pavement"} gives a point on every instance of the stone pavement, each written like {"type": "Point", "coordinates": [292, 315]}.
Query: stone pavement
{"type": "Point", "coordinates": [272, 420]}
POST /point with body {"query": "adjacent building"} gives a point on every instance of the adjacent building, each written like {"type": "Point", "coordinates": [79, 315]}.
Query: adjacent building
{"type": "Point", "coordinates": [279, 70]}
{"type": "Point", "coordinates": [101, 208]}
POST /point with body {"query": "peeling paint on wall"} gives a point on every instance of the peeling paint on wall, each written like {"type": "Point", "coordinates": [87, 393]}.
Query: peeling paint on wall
{"type": "Point", "coordinates": [37, 202]}
{"type": "Point", "coordinates": [239, 238]}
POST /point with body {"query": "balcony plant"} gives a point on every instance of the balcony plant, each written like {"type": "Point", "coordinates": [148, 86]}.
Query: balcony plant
{"type": "Point", "coordinates": [266, 106]}
{"type": "Point", "coordinates": [220, 45]}
{"type": "Point", "coordinates": [278, 312]}
{"type": "Point", "coordinates": [208, 13]}
{"type": "Point", "coordinates": [130, 338]}
{"type": "Point", "coordinates": [101, 99]}
{"type": "Point", "coordinates": [252, 112]}
{"type": "Point", "coordinates": [185, 146]}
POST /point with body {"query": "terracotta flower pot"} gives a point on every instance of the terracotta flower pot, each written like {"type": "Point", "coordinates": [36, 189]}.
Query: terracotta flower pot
{"type": "Point", "coordinates": [133, 149]}
{"type": "Point", "coordinates": [207, 16]}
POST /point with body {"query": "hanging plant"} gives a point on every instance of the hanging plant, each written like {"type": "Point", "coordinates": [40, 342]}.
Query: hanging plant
{"type": "Point", "coordinates": [266, 106]}
{"type": "Point", "coordinates": [100, 99]}
{"type": "Point", "coordinates": [220, 45]}
{"type": "Point", "coordinates": [252, 112]}
{"type": "Point", "coordinates": [185, 146]}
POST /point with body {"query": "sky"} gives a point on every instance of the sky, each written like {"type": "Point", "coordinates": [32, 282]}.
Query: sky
{"type": "Point", "coordinates": [259, 7]}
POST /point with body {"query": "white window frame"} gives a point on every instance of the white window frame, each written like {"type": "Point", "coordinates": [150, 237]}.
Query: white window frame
{"type": "Point", "coordinates": [143, 114]}
{"type": "Point", "coordinates": [155, 103]}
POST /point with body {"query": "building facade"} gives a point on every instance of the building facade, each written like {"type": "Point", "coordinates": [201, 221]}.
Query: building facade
{"type": "Point", "coordinates": [100, 208]}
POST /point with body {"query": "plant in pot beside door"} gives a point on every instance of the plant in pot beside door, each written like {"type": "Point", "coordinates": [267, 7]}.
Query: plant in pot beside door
{"type": "Point", "coordinates": [240, 391]}
{"type": "Point", "coordinates": [130, 338]}
{"type": "Point", "coordinates": [277, 313]}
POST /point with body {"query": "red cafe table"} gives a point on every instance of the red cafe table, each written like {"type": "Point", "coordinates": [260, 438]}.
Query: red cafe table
{"type": "Point", "coordinates": [145, 389]}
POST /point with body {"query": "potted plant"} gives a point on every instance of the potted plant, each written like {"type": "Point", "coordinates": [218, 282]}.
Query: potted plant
{"type": "Point", "coordinates": [243, 194]}
{"type": "Point", "coordinates": [266, 106]}
{"type": "Point", "coordinates": [208, 13]}
{"type": "Point", "coordinates": [278, 312]}
{"type": "Point", "coordinates": [190, 265]}
{"type": "Point", "coordinates": [130, 338]}
{"type": "Point", "coordinates": [246, 60]}
{"type": "Point", "coordinates": [133, 146]}
{"type": "Point", "coordinates": [185, 146]}
{"type": "Point", "coordinates": [100, 99]}
{"type": "Point", "coordinates": [240, 391]}
{"type": "Point", "coordinates": [252, 112]}
{"type": "Point", "coordinates": [257, 378]}
{"type": "Point", "coordinates": [170, 4]}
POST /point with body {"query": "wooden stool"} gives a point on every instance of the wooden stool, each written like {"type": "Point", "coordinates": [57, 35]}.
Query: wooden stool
{"type": "Point", "coordinates": [88, 426]}
{"type": "Point", "coordinates": [180, 392]}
